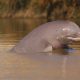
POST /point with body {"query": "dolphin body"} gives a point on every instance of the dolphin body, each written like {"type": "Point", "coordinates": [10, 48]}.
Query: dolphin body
{"type": "Point", "coordinates": [48, 36]}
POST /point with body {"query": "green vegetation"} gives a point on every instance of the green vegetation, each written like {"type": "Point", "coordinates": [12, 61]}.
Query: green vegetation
{"type": "Point", "coordinates": [50, 9]}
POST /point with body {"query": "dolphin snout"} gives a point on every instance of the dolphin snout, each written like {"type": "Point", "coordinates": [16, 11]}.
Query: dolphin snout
{"type": "Point", "coordinates": [74, 39]}
{"type": "Point", "coordinates": [77, 38]}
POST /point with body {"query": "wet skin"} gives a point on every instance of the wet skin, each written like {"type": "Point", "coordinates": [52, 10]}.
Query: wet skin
{"type": "Point", "coordinates": [57, 34]}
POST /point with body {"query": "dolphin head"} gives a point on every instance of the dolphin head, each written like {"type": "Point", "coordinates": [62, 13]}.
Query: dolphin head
{"type": "Point", "coordinates": [70, 33]}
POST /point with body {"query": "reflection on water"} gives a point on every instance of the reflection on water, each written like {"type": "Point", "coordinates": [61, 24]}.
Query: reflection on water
{"type": "Point", "coordinates": [33, 67]}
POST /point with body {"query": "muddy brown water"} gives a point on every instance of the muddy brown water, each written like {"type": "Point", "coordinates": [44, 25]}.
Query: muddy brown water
{"type": "Point", "coordinates": [33, 67]}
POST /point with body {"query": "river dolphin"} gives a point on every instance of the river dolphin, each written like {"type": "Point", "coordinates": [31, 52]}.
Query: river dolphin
{"type": "Point", "coordinates": [51, 35]}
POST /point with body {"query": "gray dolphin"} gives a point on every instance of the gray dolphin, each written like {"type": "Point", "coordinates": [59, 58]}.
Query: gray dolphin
{"type": "Point", "coordinates": [48, 36]}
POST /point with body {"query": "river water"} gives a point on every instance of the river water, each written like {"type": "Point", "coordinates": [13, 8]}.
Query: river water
{"type": "Point", "coordinates": [33, 67]}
